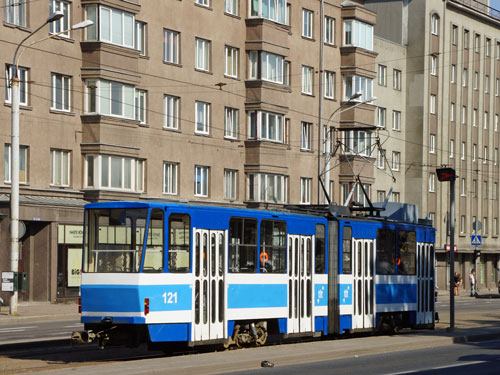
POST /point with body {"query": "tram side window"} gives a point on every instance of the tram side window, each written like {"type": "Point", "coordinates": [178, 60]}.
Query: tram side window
{"type": "Point", "coordinates": [407, 242]}
{"type": "Point", "coordinates": [385, 252]}
{"type": "Point", "coordinates": [179, 243]}
{"type": "Point", "coordinates": [153, 259]}
{"type": "Point", "coordinates": [242, 245]}
{"type": "Point", "coordinates": [273, 246]}
{"type": "Point", "coordinates": [347, 250]}
{"type": "Point", "coordinates": [319, 261]}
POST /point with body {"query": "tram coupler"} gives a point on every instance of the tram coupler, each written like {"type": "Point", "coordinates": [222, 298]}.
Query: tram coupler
{"type": "Point", "coordinates": [83, 337]}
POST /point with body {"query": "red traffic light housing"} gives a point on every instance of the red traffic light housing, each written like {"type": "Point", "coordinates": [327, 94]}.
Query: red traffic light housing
{"type": "Point", "coordinates": [446, 174]}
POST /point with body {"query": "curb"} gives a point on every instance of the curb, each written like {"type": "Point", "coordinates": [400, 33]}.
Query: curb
{"type": "Point", "coordinates": [7, 320]}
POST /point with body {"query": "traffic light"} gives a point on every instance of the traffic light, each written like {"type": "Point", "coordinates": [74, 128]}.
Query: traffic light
{"type": "Point", "coordinates": [477, 254]}
{"type": "Point", "coordinates": [446, 174]}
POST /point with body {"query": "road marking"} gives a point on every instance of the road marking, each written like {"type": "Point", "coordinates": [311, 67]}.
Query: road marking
{"type": "Point", "coordinates": [74, 326]}
{"type": "Point", "coordinates": [16, 329]}
{"type": "Point", "coordinates": [59, 333]}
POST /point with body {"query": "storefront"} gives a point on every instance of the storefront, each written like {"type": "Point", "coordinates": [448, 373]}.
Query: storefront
{"type": "Point", "coordinates": [69, 260]}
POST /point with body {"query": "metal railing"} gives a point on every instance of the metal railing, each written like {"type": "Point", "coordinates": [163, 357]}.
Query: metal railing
{"type": "Point", "coordinates": [480, 7]}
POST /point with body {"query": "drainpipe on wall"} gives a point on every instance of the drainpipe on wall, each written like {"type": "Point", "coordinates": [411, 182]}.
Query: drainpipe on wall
{"type": "Point", "coordinates": [320, 106]}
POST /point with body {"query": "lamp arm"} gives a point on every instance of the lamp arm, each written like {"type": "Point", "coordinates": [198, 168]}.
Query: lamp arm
{"type": "Point", "coordinates": [14, 60]}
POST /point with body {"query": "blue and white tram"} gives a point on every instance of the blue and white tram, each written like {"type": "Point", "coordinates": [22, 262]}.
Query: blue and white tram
{"type": "Point", "coordinates": [168, 273]}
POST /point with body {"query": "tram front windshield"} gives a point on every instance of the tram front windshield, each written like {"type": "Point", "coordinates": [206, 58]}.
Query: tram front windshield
{"type": "Point", "coordinates": [114, 239]}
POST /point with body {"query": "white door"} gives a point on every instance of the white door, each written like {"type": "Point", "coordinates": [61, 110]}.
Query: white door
{"type": "Point", "coordinates": [300, 255]}
{"type": "Point", "coordinates": [425, 283]}
{"type": "Point", "coordinates": [363, 284]}
{"type": "Point", "coordinates": [209, 291]}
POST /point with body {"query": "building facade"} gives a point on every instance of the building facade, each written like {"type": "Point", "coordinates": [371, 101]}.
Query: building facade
{"type": "Point", "coordinates": [229, 102]}
{"type": "Point", "coordinates": [452, 73]}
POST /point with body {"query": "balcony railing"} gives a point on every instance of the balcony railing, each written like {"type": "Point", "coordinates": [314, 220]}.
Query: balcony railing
{"type": "Point", "coordinates": [480, 7]}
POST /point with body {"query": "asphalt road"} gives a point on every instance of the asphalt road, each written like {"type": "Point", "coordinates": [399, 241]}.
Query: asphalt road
{"type": "Point", "coordinates": [472, 358]}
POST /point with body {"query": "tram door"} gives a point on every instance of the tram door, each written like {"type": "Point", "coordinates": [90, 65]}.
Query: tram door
{"type": "Point", "coordinates": [425, 283]}
{"type": "Point", "coordinates": [363, 284]}
{"type": "Point", "coordinates": [209, 254]}
{"type": "Point", "coordinates": [300, 255]}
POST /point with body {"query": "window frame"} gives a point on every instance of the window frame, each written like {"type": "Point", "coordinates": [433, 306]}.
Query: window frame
{"type": "Point", "coordinates": [64, 168]}
{"type": "Point", "coordinates": [307, 23]}
{"type": "Point", "coordinates": [170, 178]}
{"type": "Point", "coordinates": [174, 118]}
{"type": "Point", "coordinates": [305, 190]}
{"type": "Point", "coordinates": [203, 54]}
{"type": "Point", "coordinates": [201, 181]}
{"type": "Point", "coordinates": [231, 123]}
{"type": "Point", "coordinates": [62, 24]}
{"type": "Point", "coordinates": [24, 84]}
{"type": "Point", "coordinates": [307, 80]}
{"type": "Point", "coordinates": [230, 184]}
{"type": "Point", "coordinates": [232, 61]}
{"type": "Point", "coordinates": [329, 30]}
{"type": "Point", "coordinates": [171, 46]}
{"type": "Point", "coordinates": [204, 122]}
{"type": "Point", "coordinates": [65, 94]}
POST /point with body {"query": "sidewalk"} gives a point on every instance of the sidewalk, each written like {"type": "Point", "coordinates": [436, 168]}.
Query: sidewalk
{"type": "Point", "coordinates": [40, 311]}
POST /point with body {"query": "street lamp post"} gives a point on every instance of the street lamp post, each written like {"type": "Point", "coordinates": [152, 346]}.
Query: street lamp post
{"type": "Point", "coordinates": [14, 168]}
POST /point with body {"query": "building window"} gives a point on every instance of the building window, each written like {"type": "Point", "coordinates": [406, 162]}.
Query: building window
{"type": "Point", "coordinates": [23, 84]}
{"type": "Point", "coordinates": [477, 42]}
{"type": "Point", "coordinates": [495, 191]}
{"type": "Point", "coordinates": [60, 93]}
{"type": "Point", "coordinates": [432, 104]}
{"type": "Point", "coordinates": [358, 84]}
{"type": "Point", "coordinates": [474, 190]}
{"type": "Point", "coordinates": [231, 7]}
{"type": "Point", "coordinates": [170, 178]}
{"type": "Point", "coordinates": [274, 10]}
{"type": "Point", "coordinates": [60, 167]}
{"type": "Point", "coordinates": [476, 80]}
{"type": "Point", "coordinates": [396, 79]}
{"type": "Point", "coordinates": [432, 143]}
{"type": "Point", "coordinates": [396, 120]}
{"type": "Point", "coordinates": [266, 187]}
{"type": "Point", "coordinates": [474, 117]}
{"type": "Point", "coordinates": [62, 26]}
{"type": "Point", "coordinates": [231, 116]}
{"type": "Point", "coordinates": [485, 226]}
{"type": "Point", "coordinates": [462, 154]}
{"type": "Point", "coordinates": [381, 159]}
{"type": "Point", "coordinates": [381, 195]}
{"type": "Point", "coordinates": [307, 23]}
{"type": "Point", "coordinates": [265, 126]}
{"type": "Point", "coordinates": [110, 25]}
{"type": "Point", "coordinates": [110, 98]}
{"type": "Point", "coordinates": [140, 106]}
{"type": "Point", "coordinates": [232, 62]}
{"type": "Point", "coordinates": [396, 197]}
{"type": "Point", "coordinates": [454, 34]}
{"type": "Point", "coordinates": [382, 75]}
{"type": "Point", "coordinates": [230, 184]}
{"type": "Point", "coordinates": [358, 142]}
{"type": "Point", "coordinates": [171, 117]}
{"type": "Point", "coordinates": [23, 164]}
{"type": "Point", "coordinates": [433, 65]}
{"type": "Point", "coordinates": [465, 77]}
{"type": "Point", "coordinates": [329, 84]}
{"type": "Point", "coordinates": [496, 122]}
{"type": "Point", "coordinates": [305, 190]}
{"type": "Point", "coordinates": [201, 181]}
{"type": "Point", "coordinates": [305, 142]}
{"type": "Point", "coordinates": [497, 86]}
{"type": "Point", "coordinates": [466, 39]}
{"type": "Point", "coordinates": [435, 24]}
{"type": "Point", "coordinates": [205, 3]}
{"type": "Point", "coordinates": [202, 116]}
{"type": "Point", "coordinates": [462, 224]}
{"type": "Point", "coordinates": [474, 152]}
{"type": "Point", "coordinates": [453, 73]}
{"type": "Point", "coordinates": [171, 40]}
{"type": "Point", "coordinates": [202, 54]}
{"type": "Point", "coordinates": [495, 156]}
{"type": "Point", "coordinates": [269, 67]}
{"type": "Point", "coordinates": [307, 77]}
{"type": "Point", "coordinates": [495, 226]}
{"type": "Point", "coordinates": [487, 46]}
{"type": "Point", "coordinates": [432, 182]}
{"type": "Point", "coordinates": [497, 47]}
{"type": "Point", "coordinates": [329, 30]}
{"type": "Point", "coordinates": [452, 149]}
{"type": "Point", "coordinates": [464, 114]}
{"type": "Point", "coordinates": [358, 34]}
{"type": "Point", "coordinates": [463, 187]}
{"type": "Point", "coordinates": [15, 12]}
{"type": "Point", "coordinates": [114, 172]}
{"type": "Point", "coordinates": [485, 154]}
{"type": "Point", "coordinates": [381, 117]}
{"type": "Point", "coordinates": [486, 84]}
{"type": "Point", "coordinates": [486, 120]}
{"type": "Point", "coordinates": [140, 37]}
{"type": "Point", "coordinates": [452, 112]}
{"type": "Point", "coordinates": [396, 156]}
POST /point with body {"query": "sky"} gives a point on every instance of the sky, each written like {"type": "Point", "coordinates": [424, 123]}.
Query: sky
{"type": "Point", "coordinates": [495, 4]}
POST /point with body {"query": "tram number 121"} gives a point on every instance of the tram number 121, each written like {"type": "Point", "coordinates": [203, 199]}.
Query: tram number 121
{"type": "Point", "coordinates": [169, 297]}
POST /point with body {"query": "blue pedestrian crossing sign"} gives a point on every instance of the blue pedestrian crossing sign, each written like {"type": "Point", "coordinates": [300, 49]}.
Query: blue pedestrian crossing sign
{"type": "Point", "coordinates": [476, 240]}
